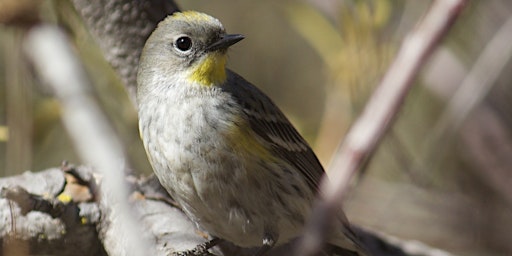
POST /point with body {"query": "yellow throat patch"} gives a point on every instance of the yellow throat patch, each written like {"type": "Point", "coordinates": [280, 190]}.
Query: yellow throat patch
{"type": "Point", "coordinates": [211, 70]}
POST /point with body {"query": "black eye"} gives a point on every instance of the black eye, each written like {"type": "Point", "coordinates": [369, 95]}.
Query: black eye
{"type": "Point", "coordinates": [184, 43]}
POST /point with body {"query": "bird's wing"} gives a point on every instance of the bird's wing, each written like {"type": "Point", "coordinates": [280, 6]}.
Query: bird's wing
{"type": "Point", "coordinates": [272, 126]}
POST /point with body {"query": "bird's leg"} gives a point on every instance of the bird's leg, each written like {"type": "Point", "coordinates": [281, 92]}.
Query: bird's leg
{"type": "Point", "coordinates": [201, 249]}
{"type": "Point", "coordinates": [269, 241]}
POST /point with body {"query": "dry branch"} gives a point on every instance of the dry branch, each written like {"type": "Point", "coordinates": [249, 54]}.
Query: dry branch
{"type": "Point", "coordinates": [95, 141]}
{"type": "Point", "coordinates": [121, 28]}
{"type": "Point", "coordinates": [50, 224]}
{"type": "Point", "coordinates": [34, 211]}
{"type": "Point", "coordinates": [377, 117]}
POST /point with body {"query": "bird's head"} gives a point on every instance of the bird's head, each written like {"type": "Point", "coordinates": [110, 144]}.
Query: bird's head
{"type": "Point", "coordinates": [188, 45]}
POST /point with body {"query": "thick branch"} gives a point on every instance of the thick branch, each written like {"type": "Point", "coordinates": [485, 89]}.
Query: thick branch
{"type": "Point", "coordinates": [45, 209]}
{"type": "Point", "coordinates": [121, 28]}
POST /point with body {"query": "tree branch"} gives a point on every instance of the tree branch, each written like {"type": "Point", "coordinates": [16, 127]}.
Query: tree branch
{"type": "Point", "coordinates": [94, 139]}
{"type": "Point", "coordinates": [121, 28]}
{"type": "Point", "coordinates": [377, 117]}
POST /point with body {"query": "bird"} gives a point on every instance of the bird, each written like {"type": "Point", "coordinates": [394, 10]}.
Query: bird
{"type": "Point", "coordinates": [220, 146]}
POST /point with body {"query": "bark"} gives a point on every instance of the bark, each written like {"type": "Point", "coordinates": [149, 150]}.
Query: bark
{"type": "Point", "coordinates": [59, 212]}
{"type": "Point", "coordinates": [121, 28]}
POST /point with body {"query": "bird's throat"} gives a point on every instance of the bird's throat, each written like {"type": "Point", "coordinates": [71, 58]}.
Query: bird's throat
{"type": "Point", "coordinates": [211, 70]}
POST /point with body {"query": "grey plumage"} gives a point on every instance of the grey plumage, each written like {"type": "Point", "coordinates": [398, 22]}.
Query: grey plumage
{"type": "Point", "coordinates": [219, 145]}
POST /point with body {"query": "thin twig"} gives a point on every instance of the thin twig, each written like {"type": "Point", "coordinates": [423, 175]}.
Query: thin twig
{"type": "Point", "coordinates": [97, 144]}
{"type": "Point", "coordinates": [468, 96]}
{"type": "Point", "coordinates": [364, 136]}
{"type": "Point", "coordinates": [480, 79]}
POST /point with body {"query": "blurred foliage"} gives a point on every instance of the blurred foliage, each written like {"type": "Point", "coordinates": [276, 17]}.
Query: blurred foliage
{"type": "Point", "coordinates": [319, 60]}
{"type": "Point", "coordinates": [355, 50]}
{"type": "Point", "coordinates": [50, 145]}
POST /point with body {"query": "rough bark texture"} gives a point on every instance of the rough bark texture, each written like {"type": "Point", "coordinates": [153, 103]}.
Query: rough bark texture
{"type": "Point", "coordinates": [57, 212]}
{"type": "Point", "coordinates": [121, 28]}
{"type": "Point", "coordinates": [34, 221]}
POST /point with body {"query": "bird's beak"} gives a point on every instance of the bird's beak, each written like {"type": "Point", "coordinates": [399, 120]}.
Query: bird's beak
{"type": "Point", "coordinates": [224, 42]}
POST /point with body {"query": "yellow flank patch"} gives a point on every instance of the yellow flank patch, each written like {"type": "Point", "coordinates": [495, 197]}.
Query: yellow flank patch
{"type": "Point", "coordinates": [243, 141]}
{"type": "Point", "coordinates": [211, 70]}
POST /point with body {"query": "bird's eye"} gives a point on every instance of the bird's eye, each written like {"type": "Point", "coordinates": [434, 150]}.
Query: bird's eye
{"type": "Point", "coordinates": [184, 43]}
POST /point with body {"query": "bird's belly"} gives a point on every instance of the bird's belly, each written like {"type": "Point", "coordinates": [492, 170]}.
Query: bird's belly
{"type": "Point", "coordinates": [229, 205]}
{"type": "Point", "coordinates": [222, 202]}
{"type": "Point", "coordinates": [231, 194]}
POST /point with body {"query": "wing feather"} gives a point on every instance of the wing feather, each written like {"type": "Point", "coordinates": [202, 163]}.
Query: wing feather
{"type": "Point", "coordinates": [272, 126]}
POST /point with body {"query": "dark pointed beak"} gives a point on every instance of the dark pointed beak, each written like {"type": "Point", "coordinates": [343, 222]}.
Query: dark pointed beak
{"type": "Point", "coordinates": [224, 42]}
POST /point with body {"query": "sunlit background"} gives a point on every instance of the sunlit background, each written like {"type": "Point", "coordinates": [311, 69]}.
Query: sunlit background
{"type": "Point", "coordinates": [443, 178]}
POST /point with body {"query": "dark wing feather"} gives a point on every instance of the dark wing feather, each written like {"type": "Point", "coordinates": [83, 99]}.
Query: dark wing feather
{"type": "Point", "coordinates": [272, 126]}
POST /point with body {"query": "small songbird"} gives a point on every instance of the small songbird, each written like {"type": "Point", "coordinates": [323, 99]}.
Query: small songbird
{"type": "Point", "coordinates": [221, 148]}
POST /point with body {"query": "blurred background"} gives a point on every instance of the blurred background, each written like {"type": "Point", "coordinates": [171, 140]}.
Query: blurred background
{"type": "Point", "coordinates": [443, 174]}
